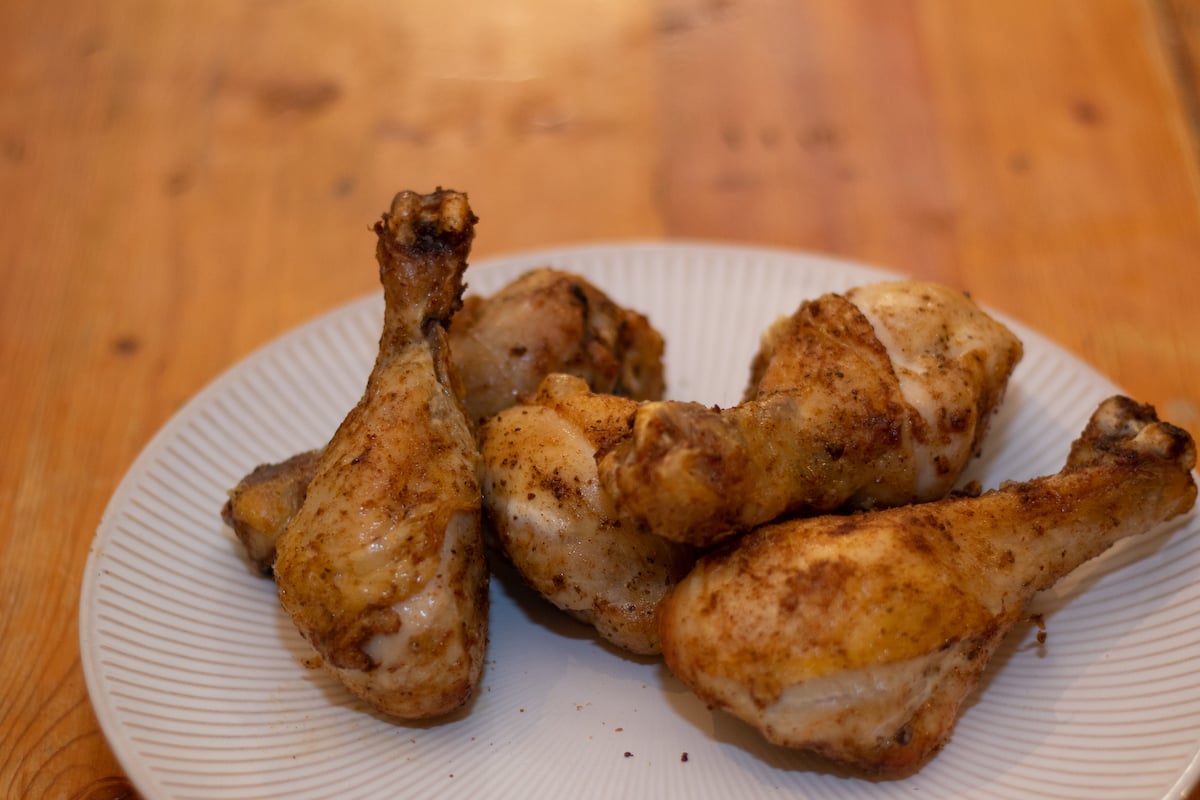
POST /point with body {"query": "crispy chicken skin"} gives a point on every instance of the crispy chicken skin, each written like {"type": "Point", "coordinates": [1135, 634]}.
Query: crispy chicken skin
{"type": "Point", "coordinates": [552, 321]}
{"type": "Point", "coordinates": [544, 321]}
{"type": "Point", "coordinates": [264, 502]}
{"type": "Point", "coordinates": [859, 637]}
{"type": "Point", "coordinates": [558, 527]}
{"type": "Point", "coordinates": [382, 568]}
{"type": "Point", "coordinates": [876, 398]}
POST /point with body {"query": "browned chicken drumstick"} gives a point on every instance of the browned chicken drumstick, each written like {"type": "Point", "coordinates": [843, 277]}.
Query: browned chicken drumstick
{"type": "Point", "coordinates": [557, 525]}
{"type": "Point", "coordinates": [545, 321]}
{"type": "Point", "coordinates": [859, 637]}
{"type": "Point", "coordinates": [382, 569]}
{"type": "Point", "coordinates": [568, 533]}
{"type": "Point", "coordinates": [879, 397]}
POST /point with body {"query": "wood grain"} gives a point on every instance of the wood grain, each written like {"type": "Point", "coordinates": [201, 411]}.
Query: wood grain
{"type": "Point", "coordinates": [182, 182]}
{"type": "Point", "coordinates": [1039, 157]}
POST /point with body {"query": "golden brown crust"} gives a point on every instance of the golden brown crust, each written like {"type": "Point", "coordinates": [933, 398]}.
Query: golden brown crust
{"type": "Point", "coordinates": [382, 567]}
{"type": "Point", "coordinates": [860, 636]}
{"type": "Point", "coordinates": [546, 321]}
{"type": "Point", "coordinates": [835, 418]}
{"type": "Point", "coordinates": [558, 527]}
{"type": "Point", "coordinates": [262, 504]}
{"type": "Point", "coordinates": [549, 321]}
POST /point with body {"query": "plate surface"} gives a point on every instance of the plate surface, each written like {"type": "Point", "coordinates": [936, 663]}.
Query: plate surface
{"type": "Point", "coordinates": [200, 684]}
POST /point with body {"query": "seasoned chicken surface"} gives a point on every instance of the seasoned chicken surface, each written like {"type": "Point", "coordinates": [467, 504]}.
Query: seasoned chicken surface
{"type": "Point", "coordinates": [264, 502]}
{"type": "Point", "coordinates": [875, 398]}
{"type": "Point", "coordinates": [543, 322]}
{"type": "Point", "coordinates": [552, 321]}
{"type": "Point", "coordinates": [558, 527]}
{"type": "Point", "coordinates": [859, 637]}
{"type": "Point", "coordinates": [382, 568]}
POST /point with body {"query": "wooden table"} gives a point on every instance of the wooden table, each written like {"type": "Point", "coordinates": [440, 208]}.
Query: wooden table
{"type": "Point", "coordinates": [182, 182]}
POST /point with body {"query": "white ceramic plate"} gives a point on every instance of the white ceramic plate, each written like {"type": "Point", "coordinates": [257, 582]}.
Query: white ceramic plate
{"type": "Point", "coordinates": [199, 680]}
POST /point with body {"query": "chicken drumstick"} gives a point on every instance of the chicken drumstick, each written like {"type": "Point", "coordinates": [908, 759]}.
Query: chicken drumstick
{"type": "Point", "coordinates": [859, 637]}
{"type": "Point", "coordinates": [545, 321]}
{"type": "Point", "coordinates": [382, 569]}
{"type": "Point", "coordinates": [879, 397]}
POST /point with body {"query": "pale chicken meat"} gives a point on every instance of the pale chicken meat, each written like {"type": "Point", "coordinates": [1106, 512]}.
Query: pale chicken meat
{"type": "Point", "coordinates": [875, 398]}
{"type": "Point", "coordinates": [545, 321]}
{"type": "Point", "coordinates": [383, 568]}
{"type": "Point", "coordinates": [859, 637]}
{"type": "Point", "coordinates": [556, 524]}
